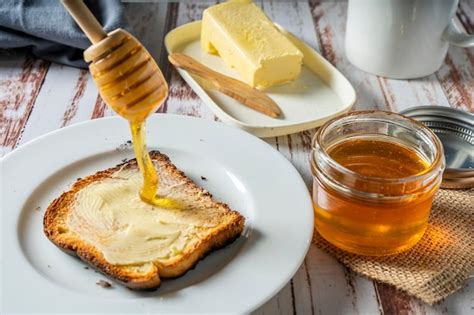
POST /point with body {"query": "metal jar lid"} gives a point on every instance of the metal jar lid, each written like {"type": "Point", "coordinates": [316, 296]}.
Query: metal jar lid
{"type": "Point", "coordinates": [455, 129]}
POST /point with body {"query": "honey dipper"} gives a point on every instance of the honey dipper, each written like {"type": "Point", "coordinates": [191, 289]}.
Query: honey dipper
{"type": "Point", "coordinates": [128, 78]}
{"type": "Point", "coordinates": [129, 81]}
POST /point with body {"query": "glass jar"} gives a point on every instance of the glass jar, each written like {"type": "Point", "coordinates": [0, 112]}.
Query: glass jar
{"type": "Point", "coordinates": [374, 177]}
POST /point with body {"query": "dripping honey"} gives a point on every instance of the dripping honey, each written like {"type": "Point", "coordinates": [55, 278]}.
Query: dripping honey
{"type": "Point", "coordinates": [131, 83]}
{"type": "Point", "coordinates": [150, 176]}
{"type": "Point", "coordinates": [371, 225]}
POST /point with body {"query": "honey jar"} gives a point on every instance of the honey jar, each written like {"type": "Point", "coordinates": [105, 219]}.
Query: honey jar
{"type": "Point", "coordinates": [375, 174]}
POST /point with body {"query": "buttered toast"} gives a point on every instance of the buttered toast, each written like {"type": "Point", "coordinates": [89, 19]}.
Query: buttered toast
{"type": "Point", "coordinates": [103, 221]}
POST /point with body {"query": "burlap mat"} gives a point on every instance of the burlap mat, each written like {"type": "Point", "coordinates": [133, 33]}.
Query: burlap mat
{"type": "Point", "coordinates": [435, 267]}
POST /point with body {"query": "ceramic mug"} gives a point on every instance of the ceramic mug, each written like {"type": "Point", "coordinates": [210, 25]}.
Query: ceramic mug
{"type": "Point", "coordinates": [402, 39]}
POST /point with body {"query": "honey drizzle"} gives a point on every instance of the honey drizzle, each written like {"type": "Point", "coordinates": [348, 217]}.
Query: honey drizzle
{"type": "Point", "coordinates": [149, 96]}
{"type": "Point", "coordinates": [150, 177]}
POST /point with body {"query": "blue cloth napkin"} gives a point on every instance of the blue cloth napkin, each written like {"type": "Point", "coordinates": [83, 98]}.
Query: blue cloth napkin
{"type": "Point", "coordinates": [46, 28]}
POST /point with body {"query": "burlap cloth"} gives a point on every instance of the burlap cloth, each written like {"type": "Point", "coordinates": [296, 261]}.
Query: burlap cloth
{"type": "Point", "coordinates": [435, 267]}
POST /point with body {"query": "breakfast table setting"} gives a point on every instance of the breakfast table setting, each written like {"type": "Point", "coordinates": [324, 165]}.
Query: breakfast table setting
{"type": "Point", "coordinates": [250, 144]}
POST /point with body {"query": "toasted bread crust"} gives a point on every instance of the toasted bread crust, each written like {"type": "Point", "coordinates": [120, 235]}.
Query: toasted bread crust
{"type": "Point", "coordinates": [56, 230]}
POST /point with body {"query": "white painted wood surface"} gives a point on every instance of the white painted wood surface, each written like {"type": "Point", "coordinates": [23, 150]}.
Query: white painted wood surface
{"type": "Point", "coordinates": [37, 97]}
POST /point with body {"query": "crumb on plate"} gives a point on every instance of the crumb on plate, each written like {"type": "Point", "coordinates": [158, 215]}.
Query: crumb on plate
{"type": "Point", "coordinates": [104, 284]}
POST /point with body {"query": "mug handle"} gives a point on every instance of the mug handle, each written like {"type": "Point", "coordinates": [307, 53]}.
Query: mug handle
{"type": "Point", "coordinates": [455, 36]}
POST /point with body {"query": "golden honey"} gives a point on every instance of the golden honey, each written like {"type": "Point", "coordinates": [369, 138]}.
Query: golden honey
{"type": "Point", "coordinates": [150, 176]}
{"type": "Point", "coordinates": [131, 83]}
{"type": "Point", "coordinates": [374, 181]}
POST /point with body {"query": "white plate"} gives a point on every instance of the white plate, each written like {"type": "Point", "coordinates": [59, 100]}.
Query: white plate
{"type": "Point", "coordinates": [320, 93]}
{"type": "Point", "coordinates": [240, 169]}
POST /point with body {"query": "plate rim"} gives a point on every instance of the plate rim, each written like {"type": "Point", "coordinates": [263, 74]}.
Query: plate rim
{"type": "Point", "coordinates": [290, 273]}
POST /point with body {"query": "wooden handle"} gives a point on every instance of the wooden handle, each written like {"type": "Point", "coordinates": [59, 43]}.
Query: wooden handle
{"type": "Point", "coordinates": [236, 89]}
{"type": "Point", "coordinates": [192, 65]}
{"type": "Point", "coordinates": [85, 19]}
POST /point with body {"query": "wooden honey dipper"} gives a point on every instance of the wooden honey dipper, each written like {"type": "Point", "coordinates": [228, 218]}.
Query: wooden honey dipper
{"type": "Point", "coordinates": [128, 78]}
{"type": "Point", "coordinates": [129, 81]}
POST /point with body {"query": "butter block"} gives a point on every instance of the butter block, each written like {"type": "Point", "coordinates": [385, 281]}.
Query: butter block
{"type": "Point", "coordinates": [247, 40]}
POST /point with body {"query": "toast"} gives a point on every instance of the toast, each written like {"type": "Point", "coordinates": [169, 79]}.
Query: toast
{"type": "Point", "coordinates": [102, 220]}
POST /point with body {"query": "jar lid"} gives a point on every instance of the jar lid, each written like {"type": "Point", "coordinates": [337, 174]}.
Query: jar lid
{"type": "Point", "coordinates": [455, 129]}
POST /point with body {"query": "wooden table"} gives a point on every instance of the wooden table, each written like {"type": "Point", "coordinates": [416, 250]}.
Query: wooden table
{"type": "Point", "coordinates": [37, 97]}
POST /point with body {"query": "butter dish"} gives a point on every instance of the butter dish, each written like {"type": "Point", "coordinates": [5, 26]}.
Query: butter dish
{"type": "Point", "coordinates": [320, 93]}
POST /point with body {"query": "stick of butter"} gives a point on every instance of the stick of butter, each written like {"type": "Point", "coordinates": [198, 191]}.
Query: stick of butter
{"type": "Point", "coordinates": [247, 40]}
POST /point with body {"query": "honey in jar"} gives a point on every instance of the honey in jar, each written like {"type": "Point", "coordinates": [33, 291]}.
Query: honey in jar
{"type": "Point", "coordinates": [375, 174]}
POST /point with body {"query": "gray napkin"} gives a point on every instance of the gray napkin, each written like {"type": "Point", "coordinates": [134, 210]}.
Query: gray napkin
{"type": "Point", "coordinates": [46, 28]}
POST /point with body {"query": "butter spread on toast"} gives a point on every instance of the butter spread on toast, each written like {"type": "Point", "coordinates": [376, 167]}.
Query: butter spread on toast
{"type": "Point", "coordinates": [111, 216]}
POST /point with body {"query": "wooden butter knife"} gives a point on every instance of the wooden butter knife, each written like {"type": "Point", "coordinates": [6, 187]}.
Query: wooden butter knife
{"type": "Point", "coordinates": [236, 89]}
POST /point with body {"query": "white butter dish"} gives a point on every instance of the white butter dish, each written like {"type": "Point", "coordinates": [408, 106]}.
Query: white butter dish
{"type": "Point", "coordinates": [320, 92]}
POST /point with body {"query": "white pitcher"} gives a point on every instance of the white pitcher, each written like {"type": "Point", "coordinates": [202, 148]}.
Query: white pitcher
{"type": "Point", "coordinates": [402, 39]}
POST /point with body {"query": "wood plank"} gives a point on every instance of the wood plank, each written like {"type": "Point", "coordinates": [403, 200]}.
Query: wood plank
{"type": "Point", "coordinates": [461, 302]}
{"type": "Point", "coordinates": [336, 290]}
{"type": "Point", "coordinates": [465, 14]}
{"type": "Point", "coordinates": [68, 96]}
{"type": "Point", "coordinates": [330, 23]}
{"type": "Point", "coordinates": [78, 94]}
{"type": "Point", "coordinates": [148, 22]}
{"type": "Point", "coordinates": [457, 78]}
{"type": "Point", "coordinates": [21, 79]}
{"type": "Point", "coordinates": [166, 67]}
{"type": "Point", "coordinates": [303, 290]}
{"type": "Point", "coordinates": [396, 302]}
{"type": "Point", "coordinates": [282, 303]}
{"type": "Point", "coordinates": [100, 108]}
{"type": "Point", "coordinates": [456, 75]}
{"type": "Point", "coordinates": [182, 100]}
